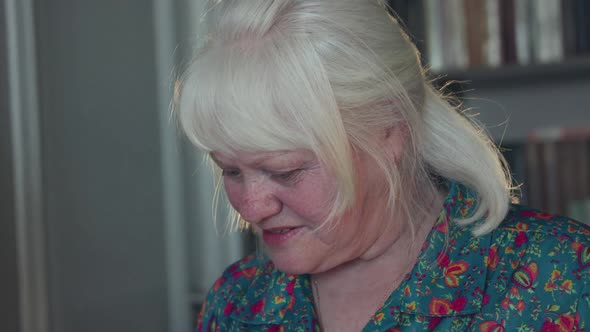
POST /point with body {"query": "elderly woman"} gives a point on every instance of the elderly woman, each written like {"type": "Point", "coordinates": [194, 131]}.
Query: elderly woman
{"type": "Point", "coordinates": [381, 208]}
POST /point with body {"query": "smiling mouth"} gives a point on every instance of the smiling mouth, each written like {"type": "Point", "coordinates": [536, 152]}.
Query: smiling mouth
{"type": "Point", "coordinates": [280, 236]}
{"type": "Point", "coordinates": [280, 231]}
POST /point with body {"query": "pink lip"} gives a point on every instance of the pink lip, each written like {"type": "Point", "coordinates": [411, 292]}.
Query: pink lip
{"type": "Point", "coordinates": [274, 239]}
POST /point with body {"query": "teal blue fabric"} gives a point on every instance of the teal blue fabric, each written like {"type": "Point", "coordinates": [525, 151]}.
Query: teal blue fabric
{"type": "Point", "coordinates": [531, 274]}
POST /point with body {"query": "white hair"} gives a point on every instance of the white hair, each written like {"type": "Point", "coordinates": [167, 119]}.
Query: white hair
{"type": "Point", "coordinates": [326, 75]}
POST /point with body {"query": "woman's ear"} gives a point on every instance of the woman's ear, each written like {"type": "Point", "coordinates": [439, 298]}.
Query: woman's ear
{"type": "Point", "coordinates": [394, 140]}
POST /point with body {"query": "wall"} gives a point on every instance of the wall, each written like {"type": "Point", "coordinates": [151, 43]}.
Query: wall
{"type": "Point", "coordinates": [511, 111]}
{"type": "Point", "coordinates": [102, 175]}
{"type": "Point", "coordinates": [9, 314]}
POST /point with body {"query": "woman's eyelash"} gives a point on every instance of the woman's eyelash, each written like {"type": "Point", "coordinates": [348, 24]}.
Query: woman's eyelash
{"type": "Point", "coordinates": [287, 176]}
{"type": "Point", "coordinates": [230, 172]}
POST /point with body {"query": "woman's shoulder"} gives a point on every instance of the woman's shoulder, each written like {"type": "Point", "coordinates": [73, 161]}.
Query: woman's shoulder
{"type": "Point", "coordinates": [539, 267]}
{"type": "Point", "coordinates": [232, 293]}
{"type": "Point", "coordinates": [238, 277]}
{"type": "Point", "coordinates": [550, 227]}
{"type": "Point", "coordinates": [542, 246]}
{"type": "Point", "coordinates": [253, 293]}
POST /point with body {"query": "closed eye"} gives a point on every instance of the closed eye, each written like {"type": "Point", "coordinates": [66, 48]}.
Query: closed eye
{"type": "Point", "coordinates": [232, 173]}
{"type": "Point", "coordinates": [287, 177]}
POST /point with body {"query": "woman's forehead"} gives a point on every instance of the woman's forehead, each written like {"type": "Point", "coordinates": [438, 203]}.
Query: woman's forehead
{"type": "Point", "coordinates": [254, 158]}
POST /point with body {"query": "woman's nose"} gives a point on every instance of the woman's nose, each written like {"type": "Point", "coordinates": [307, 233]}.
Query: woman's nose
{"type": "Point", "coordinates": [258, 202]}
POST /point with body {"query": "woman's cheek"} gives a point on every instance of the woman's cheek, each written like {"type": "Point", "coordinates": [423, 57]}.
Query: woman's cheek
{"type": "Point", "coordinates": [232, 191]}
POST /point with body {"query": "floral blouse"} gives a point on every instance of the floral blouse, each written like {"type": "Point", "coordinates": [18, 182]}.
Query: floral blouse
{"type": "Point", "coordinates": [531, 274]}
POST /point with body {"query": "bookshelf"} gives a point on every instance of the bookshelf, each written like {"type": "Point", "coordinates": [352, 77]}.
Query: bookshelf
{"type": "Point", "coordinates": [515, 75]}
{"type": "Point", "coordinates": [523, 66]}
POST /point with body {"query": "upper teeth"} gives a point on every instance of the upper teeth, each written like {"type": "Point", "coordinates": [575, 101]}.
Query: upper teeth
{"type": "Point", "coordinates": [280, 231]}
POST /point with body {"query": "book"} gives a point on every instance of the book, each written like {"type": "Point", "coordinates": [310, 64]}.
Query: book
{"type": "Point", "coordinates": [475, 31]}
{"type": "Point", "coordinates": [558, 169]}
{"type": "Point", "coordinates": [434, 35]}
{"type": "Point", "coordinates": [523, 37]}
{"type": "Point", "coordinates": [493, 44]}
{"type": "Point", "coordinates": [568, 19]}
{"type": "Point", "coordinates": [456, 55]}
{"type": "Point", "coordinates": [508, 31]}
{"type": "Point", "coordinates": [547, 31]}
{"type": "Point", "coordinates": [582, 13]}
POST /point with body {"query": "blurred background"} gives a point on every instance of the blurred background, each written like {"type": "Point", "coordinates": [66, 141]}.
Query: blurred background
{"type": "Point", "coordinates": [105, 210]}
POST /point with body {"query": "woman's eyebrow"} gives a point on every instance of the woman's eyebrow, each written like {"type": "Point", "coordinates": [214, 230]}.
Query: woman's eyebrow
{"type": "Point", "coordinates": [217, 161]}
{"type": "Point", "coordinates": [278, 156]}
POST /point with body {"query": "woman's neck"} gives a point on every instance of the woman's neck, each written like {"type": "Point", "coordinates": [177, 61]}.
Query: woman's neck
{"type": "Point", "coordinates": [367, 282]}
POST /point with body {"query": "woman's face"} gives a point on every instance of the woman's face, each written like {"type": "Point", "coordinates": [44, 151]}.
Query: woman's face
{"type": "Point", "coordinates": [286, 196]}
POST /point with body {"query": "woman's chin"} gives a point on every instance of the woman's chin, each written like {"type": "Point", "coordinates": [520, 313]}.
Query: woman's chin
{"type": "Point", "coordinates": [291, 265]}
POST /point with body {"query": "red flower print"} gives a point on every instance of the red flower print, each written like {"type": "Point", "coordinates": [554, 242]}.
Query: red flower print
{"type": "Point", "coordinates": [550, 286]}
{"type": "Point", "coordinates": [583, 254]}
{"type": "Point", "coordinates": [278, 299]}
{"type": "Point", "coordinates": [257, 307]}
{"type": "Point", "coordinates": [549, 326]}
{"type": "Point", "coordinates": [291, 286]}
{"type": "Point", "coordinates": [291, 303]}
{"type": "Point", "coordinates": [248, 273]}
{"type": "Point", "coordinates": [229, 308]}
{"type": "Point", "coordinates": [458, 304]}
{"type": "Point", "coordinates": [491, 326]}
{"type": "Point", "coordinates": [439, 306]}
{"type": "Point", "coordinates": [571, 229]}
{"type": "Point", "coordinates": [520, 306]}
{"type": "Point", "coordinates": [276, 328]}
{"type": "Point", "coordinates": [218, 284]}
{"type": "Point", "coordinates": [525, 275]}
{"type": "Point", "coordinates": [533, 214]}
{"type": "Point", "coordinates": [521, 238]}
{"type": "Point", "coordinates": [492, 259]}
{"type": "Point", "coordinates": [379, 317]}
{"type": "Point", "coordinates": [566, 322]}
{"type": "Point", "coordinates": [505, 303]}
{"type": "Point", "coordinates": [486, 299]}
{"type": "Point", "coordinates": [434, 322]}
{"type": "Point", "coordinates": [443, 259]}
{"type": "Point", "coordinates": [407, 292]}
{"type": "Point", "coordinates": [567, 285]}
{"type": "Point", "coordinates": [467, 206]}
{"type": "Point", "coordinates": [453, 270]}
{"type": "Point", "coordinates": [442, 227]}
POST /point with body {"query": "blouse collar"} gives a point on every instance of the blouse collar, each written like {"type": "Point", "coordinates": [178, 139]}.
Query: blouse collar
{"type": "Point", "coordinates": [448, 279]}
